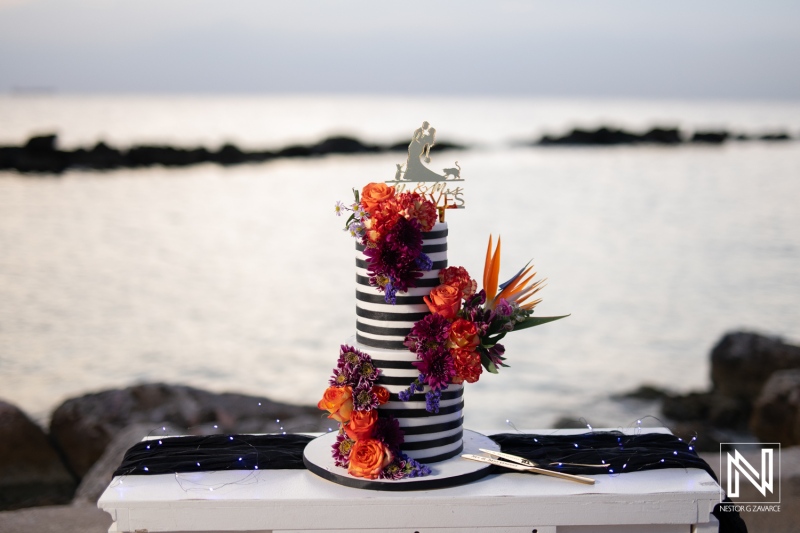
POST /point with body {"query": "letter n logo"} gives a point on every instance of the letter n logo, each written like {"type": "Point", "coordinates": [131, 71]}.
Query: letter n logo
{"type": "Point", "coordinates": [761, 476]}
{"type": "Point", "coordinates": [739, 464]}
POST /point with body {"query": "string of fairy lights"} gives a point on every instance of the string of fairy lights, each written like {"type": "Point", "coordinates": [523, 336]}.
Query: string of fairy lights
{"type": "Point", "coordinates": [243, 468]}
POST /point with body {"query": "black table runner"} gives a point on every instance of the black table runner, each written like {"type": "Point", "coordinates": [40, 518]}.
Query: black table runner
{"type": "Point", "coordinates": [623, 453]}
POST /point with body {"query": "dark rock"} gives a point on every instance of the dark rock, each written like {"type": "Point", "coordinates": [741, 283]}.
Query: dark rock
{"type": "Point", "coordinates": [442, 146]}
{"type": "Point", "coordinates": [261, 155]}
{"type": "Point", "coordinates": [31, 471]}
{"type": "Point", "coordinates": [101, 157]}
{"type": "Point", "coordinates": [645, 392]}
{"type": "Point", "coordinates": [343, 145]}
{"type": "Point", "coordinates": [295, 151]}
{"type": "Point", "coordinates": [601, 136]}
{"type": "Point", "coordinates": [41, 143]}
{"type": "Point", "coordinates": [742, 362]}
{"type": "Point", "coordinates": [776, 413]}
{"type": "Point", "coordinates": [707, 438]}
{"type": "Point", "coordinates": [9, 156]}
{"type": "Point", "coordinates": [606, 136]}
{"type": "Point", "coordinates": [712, 408]}
{"type": "Point", "coordinates": [782, 136]}
{"type": "Point", "coordinates": [662, 136]}
{"type": "Point", "coordinates": [38, 155]}
{"type": "Point", "coordinates": [83, 427]}
{"type": "Point", "coordinates": [569, 422]}
{"type": "Point", "coordinates": [692, 406]}
{"type": "Point", "coordinates": [102, 471]}
{"type": "Point", "coordinates": [230, 155]}
{"type": "Point", "coordinates": [710, 137]}
{"type": "Point", "coordinates": [145, 156]}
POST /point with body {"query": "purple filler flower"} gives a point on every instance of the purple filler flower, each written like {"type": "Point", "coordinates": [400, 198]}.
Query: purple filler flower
{"type": "Point", "coordinates": [396, 254]}
{"type": "Point", "coordinates": [416, 386]}
{"type": "Point", "coordinates": [438, 368]}
{"type": "Point", "coordinates": [341, 450]}
{"type": "Point", "coordinates": [428, 335]}
{"type": "Point", "coordinates": [503, 308]}
{"type": "Point", "coordinates": [354, 368]}
{"type": "Point", "coordinates": [364, 399]}
{"type": "Point", "coordinates": [413, 468]}
{"type": "Point", "coordinates": [390, 295]}
{"type": "Point", "coordinates": [423, 262]}
{"type": "Point", "coordinates": [432, 398]}
{"type": "Point", "coordinates": [388, 430]}
{"type": "Point", "coordinates": [394, 471]}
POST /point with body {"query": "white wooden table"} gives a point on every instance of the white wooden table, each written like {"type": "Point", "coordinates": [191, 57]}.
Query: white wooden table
{"type": "Point", "coordinates": [662, 501]}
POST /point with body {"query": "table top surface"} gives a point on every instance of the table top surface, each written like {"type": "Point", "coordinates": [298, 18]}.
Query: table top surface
{"type": "Point", "coordinates": [685, 495]}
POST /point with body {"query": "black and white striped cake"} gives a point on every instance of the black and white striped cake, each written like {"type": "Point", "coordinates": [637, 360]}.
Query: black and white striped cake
{"type": "Point", "coordinates": [380, 330]}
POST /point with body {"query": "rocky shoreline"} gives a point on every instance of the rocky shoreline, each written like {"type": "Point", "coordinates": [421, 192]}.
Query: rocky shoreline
{"type": "Point", "coordinates": [40, 155]}
{"type": "Point", "coordinates": [755, 394]}
{"type": "Point", "coordinates": [606, 136]}
{"type": "Point", "coordinates": [73, 460]}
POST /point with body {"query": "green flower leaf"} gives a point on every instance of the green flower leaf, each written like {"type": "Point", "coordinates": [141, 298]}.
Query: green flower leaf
{"type": "Point", "coordinates": [537, 321]}
{"type": "Point", "coordinates": [487, 363]}
{"type": "Point", "coordinates": [490, 340]}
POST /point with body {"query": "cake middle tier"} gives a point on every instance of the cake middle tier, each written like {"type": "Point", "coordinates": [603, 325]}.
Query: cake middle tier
{"type": "Point", "coordinates": [384, 325]}
{"type": "Point", "coordinates": [429, 437]}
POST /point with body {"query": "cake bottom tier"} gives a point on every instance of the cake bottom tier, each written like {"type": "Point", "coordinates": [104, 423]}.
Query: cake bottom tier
{"type": "Point", "coordinates": [429, 437]}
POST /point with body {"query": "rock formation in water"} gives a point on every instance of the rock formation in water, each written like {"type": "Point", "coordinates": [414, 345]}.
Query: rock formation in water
{"type": "Point", "coordinates": [40, 155]}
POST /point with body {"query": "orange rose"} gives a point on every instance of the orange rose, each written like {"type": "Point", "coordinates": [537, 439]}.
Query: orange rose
{"type": "Point", "coordinates": [368, 458]}
{"type": "Point", "coordinates": [382, 393]}
{"type": "Point", "coordinates": [338, 401]}
{"type": "Point", "coordinates": [361, 425]}
{"type": "Point", "coordinates": [444, 300]}
{"type": "Point", "coordinates": [375, 193]}
{"type": "Point", "coordinates": [463, 334]}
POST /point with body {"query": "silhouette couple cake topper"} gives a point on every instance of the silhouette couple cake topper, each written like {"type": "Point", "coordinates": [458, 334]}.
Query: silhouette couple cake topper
{"type": "Point", "coordinates": [422, 140]}
{"type": "Point", "coordinates": [427, 181]}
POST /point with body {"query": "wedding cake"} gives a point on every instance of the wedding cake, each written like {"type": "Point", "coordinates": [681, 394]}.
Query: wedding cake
{"type": "Point", "coordinates": [423, 328]}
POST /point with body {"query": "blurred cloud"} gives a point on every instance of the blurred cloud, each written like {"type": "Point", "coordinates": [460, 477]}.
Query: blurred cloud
{"type": "Point", "coordinates": [571, 48]}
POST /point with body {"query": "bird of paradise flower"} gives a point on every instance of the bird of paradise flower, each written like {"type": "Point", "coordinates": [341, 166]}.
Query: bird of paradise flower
{"type": "Point", "coordinates": [520, 290]}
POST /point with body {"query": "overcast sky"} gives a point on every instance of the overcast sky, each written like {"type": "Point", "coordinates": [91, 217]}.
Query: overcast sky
{"type": "Point", "coordinates": [672, 49]}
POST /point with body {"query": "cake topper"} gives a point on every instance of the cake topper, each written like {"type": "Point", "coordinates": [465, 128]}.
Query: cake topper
{"type": "Point", "coordinates": [415, 176]}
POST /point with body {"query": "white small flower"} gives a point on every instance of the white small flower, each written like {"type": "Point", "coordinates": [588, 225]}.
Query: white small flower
{"type": "Point", "coordinates": [339, 208]}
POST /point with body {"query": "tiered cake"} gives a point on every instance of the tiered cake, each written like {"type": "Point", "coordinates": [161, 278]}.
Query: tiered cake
{"type": "Point", "coordinates": [381, 328]}
{"type": "Point", "coordinates": [423, 329]}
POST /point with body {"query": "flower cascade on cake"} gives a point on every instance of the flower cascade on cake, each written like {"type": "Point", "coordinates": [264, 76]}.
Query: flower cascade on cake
{"type": "Point", "coordinates": [390, 227]}
{"type": "Point", "coordinates": [462, 334]}
{"type": "Point", "coordinates": [367, 446]}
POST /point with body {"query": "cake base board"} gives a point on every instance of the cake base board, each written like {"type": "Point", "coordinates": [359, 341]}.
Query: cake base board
{"type": "Point", "coordinates": [450, 473]}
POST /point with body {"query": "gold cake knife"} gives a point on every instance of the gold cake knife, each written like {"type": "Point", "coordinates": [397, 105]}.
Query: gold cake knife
{"type": "Point", "coordinates": [526, 468]}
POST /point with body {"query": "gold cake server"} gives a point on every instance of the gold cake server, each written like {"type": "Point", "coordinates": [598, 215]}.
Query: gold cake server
{"type": "Point", "coordinates": [527, 468]}
{"type": "Point", "coordinates": [528, 462]}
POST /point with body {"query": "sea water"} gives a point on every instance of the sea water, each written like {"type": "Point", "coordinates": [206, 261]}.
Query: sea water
{"type": "Point", "coordinates": [241, 278]}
